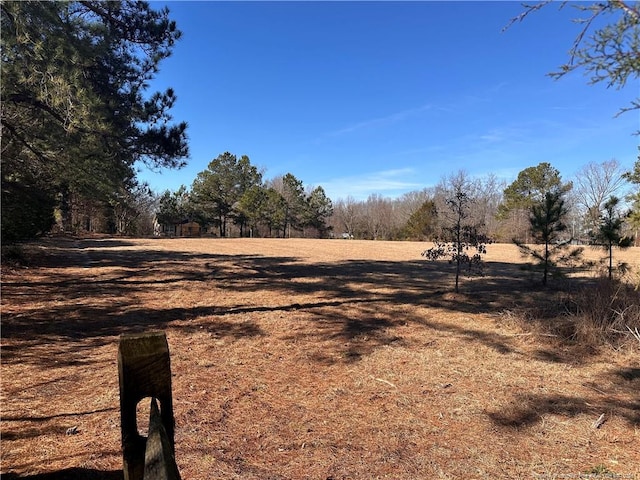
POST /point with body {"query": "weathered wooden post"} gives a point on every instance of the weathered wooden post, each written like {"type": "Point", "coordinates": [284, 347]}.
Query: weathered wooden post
{"type": "Point", "coordinates": [144, 368]}
{"type": "Point", "coordinates": [159, 459]}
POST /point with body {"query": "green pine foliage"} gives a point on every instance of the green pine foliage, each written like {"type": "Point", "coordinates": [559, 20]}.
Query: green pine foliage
{"type": "Point", "coordinates": [421, 225]}
{"type": "Point", "coordinates": [217, 191]}
{"type": "Point", "coordinates": [230, 191]}
{"type": "Point", "coordinates": [609, 233]}
{"type": "Point", "coordinates": [318, 210]}
{"type": "Point", "coordinates": [173, 207]}
{"type": "Point", "coordinates": [552, 248]}
{"type": "Point", "coordinates": [606, 48]}
{"type": "Point", "coordinates": [76, 115]}
{"type": "Point", "coordinates": [634, 198]}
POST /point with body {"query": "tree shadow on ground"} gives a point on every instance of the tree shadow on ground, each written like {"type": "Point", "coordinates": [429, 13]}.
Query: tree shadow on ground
{"type": "Point", "coordinates": [500, 343]}
{"type": "Point", "coordinates": [532, 408]}
{"type": "Point", "coordinates": [82, 308]}
{"type": "Point", "coordinates": [58, 318]}
{"type": "Point", "coordinates": [528, 409]}
{"type": "Point", "coordinates": [19, 433]}
{"type": "Point", "coordinates": [70, 474]}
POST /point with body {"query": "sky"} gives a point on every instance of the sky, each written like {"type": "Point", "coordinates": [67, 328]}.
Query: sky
{"type": "Point", "coordinates": [385, 98]}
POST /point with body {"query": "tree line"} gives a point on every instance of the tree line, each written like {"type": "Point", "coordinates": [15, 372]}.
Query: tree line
{"type": "Point", "coordinates": [541, 195]}
{"type": "Point", "coordinates": [229, 198]}
{"type": "Point", "coordinates": [502, 209]}
{"type": "Point", "coordinates": [78, 118]}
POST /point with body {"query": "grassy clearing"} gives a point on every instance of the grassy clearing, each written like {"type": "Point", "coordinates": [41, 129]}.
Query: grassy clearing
{"type": "Point", "coordinates": [310, 359]}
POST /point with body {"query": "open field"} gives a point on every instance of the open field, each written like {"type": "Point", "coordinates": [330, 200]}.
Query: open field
{"type": "Point", "coordinates": [295, 359]}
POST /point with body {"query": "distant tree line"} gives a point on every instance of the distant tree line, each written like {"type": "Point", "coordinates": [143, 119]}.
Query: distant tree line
{"type": "Point", "coordinates": [601, 207]}
{"type": "Point", "coordinates": [503, 210]}
{"type": "Point", "coordinates": [77, 119]}
{"type": "Point", "coordinates": [230, 198]}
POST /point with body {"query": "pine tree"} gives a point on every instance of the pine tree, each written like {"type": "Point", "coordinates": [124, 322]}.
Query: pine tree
{"type": "Point", "coordinates": [609, 231]}
{"type": "Point", "coordinates": [76, 115]}
{"type": "Point", "coordinates": [421, 223]}
{"type": "Point", "coordinates": [547, 226]}
{"type": "Point", "coordinates": [218, 190]}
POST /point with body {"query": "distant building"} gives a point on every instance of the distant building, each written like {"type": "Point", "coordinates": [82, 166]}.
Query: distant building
{"type": "Point", "coordinates": [186, 228]}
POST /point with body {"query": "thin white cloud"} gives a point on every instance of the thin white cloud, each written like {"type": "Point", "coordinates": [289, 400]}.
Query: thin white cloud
{"type": "Point", "coordinates": [504, 134]}
{"type": "Point", "coordinates": [465, 101]}
{"type": "Point", "coordinates": [498, 87]}
{"type": "Point", "coordinates": [381, 121]}
{"type": "Point", "coordinates": [430, 149]}
{"type": "Point", "coordinates": [388, 183]}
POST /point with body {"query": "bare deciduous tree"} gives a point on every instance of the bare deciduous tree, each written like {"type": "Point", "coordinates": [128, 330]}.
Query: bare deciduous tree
{"type": "Point", "coordinates": [346, 216]}
{"type": "Point", "coordinates": [379, 214]}
{"type": "Point", "coordinates": [488, 196]}
{"type": "Point", "coordinates": [593, 185]}
{"type": "Point", "coordinates": [461, 241]}
{"type": "Point", "coordinates": [409, 203]}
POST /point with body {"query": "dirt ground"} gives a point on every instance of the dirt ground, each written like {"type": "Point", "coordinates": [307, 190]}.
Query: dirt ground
{"type": "Point", "coordinates": [306, 359]}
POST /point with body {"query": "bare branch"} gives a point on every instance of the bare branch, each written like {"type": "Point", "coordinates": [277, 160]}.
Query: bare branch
{"type": "Point", "coordinates": [529, 9]}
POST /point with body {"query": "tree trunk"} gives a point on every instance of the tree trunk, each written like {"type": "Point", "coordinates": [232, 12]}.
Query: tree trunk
{"type": "Point", "coordinates": [546, 263]}
{"type": "Point", "coordinates": [610, 260]}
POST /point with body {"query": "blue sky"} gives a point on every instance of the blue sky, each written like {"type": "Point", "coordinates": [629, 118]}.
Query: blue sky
{"type": "Point", "coordinates": [386, 97]}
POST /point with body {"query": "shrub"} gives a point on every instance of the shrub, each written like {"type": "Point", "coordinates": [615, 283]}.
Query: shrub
{"type": "Point", "coordinates": [27, 211]}
{"type": "Point", "coordinates": [605, 312]}
{"type": "Point", "coordinates": [13, 255]}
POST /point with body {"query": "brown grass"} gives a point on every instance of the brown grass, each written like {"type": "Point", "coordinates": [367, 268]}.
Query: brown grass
{"type": "Point", "coordinates": [299, 359]}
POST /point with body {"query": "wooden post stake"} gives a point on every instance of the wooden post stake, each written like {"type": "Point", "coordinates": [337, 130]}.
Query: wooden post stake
{"type": "Point", "coordinates": [144, 368]}
{"type": "Point", "coordinates": [159, 459]}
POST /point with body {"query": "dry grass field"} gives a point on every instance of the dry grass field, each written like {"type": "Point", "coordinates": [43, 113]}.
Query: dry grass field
{"type": "Point", "coordinates": [309, 359]}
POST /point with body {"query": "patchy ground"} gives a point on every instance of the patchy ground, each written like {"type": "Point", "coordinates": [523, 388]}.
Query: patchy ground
{"type": "Point", "coordinates": [297, 359]}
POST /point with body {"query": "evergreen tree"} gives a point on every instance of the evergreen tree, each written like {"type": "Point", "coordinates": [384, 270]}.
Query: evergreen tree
{"type": "Point", "coordinates": [634, 198]}
{"type": "Point", "coordinates": [248, 178]}
{"type": "Point", "coordinates": [275, 212]}
{"type": "Point", "coordinates": [218, 189]}
{"type": "Point", "coordinates": [76, 115]}
{"type": "Point", "coordinates": [318, 210]}
{"type": "Point", "coordinates": [530, 188]}
{"type": "Point", "coordinates": [421, 224]}
{"type": "Point", "coordinates": [292, 191]}
{"type": "Point", "coordinates": [251, 207]}
{"type": "Point", "coordinates": [547, 226]}
{"type": "Point", "coordinates": [173, 207]}
{"type": "Point", "coordinates": [609, 231]}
